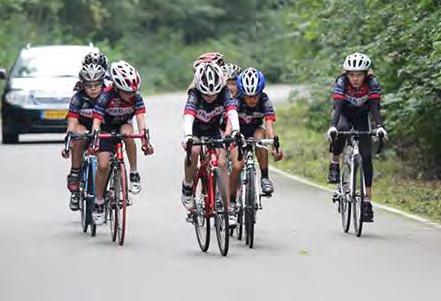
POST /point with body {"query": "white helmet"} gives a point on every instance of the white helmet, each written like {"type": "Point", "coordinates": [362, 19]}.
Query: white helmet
{"type": "Point", "coordinates": [357, 62]}
{"type": "Point", "coordinates": [209, 57]}
{"type": "Point", "coordinates": [125, 77]}
{"type": "Point", "coordinates": [92, 72]}
{"type": "Point", "coordinates": [209, 78]}
{"type": "Point", "coordinates": [231, 71]}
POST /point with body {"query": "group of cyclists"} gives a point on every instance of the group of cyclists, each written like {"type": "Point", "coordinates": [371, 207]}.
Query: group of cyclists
{"type": "Point", "coordinates": [223, 100]}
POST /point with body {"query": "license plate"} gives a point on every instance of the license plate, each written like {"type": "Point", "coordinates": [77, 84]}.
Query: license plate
{"type": "Point", "coordinates": [55, 114]}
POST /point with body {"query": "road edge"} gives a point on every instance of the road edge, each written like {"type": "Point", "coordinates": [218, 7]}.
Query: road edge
{"type": "Point", "coordinates": [380, 206]}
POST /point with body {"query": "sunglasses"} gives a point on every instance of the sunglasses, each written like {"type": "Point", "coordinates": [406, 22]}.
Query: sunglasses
{"type": "Point", "coordinates": [92, 85]}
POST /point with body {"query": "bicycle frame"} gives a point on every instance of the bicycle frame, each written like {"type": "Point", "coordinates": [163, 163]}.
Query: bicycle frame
{"type": "Point", "coordinates": [208, 163]}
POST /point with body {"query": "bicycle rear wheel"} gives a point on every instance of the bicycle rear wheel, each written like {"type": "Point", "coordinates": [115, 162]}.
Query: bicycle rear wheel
{"type": "Point", "coordinates": [121, 202]}
{"type": "Point", "coordinates": [221, 221]}
{"type": "Point", "coordinates": [250, 208]}
{"type": "Point", "coordinates": [200, 219]}
{"type": "Point", "coordinates": [344, 200]}
{"type": "Point", "coordinates": [358, 197]}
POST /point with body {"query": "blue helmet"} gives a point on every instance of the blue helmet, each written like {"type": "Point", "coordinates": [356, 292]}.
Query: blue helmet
{"type": "Point", "coordinates": [251, 82]}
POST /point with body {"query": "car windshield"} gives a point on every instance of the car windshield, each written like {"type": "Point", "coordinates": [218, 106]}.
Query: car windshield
{"type": "Point", "coordinates": [47, 62]}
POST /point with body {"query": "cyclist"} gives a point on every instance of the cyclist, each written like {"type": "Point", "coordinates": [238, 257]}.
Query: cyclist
{"type": "Point", "coordinates": [79, 120]}
{"type": "Point", "coordinates": [256, 117]}
{"type": "Point", "coordinates": [209, 57]}
{"type": "Point", "coordinates": [96, 58]}
{"type": "Point", "coordinates": [231, 72]}
{"type": "Point", "coordinates": [356, 93]}
{"type": "Point", "coordinates": [205, 105]}
{"type": "Point", "coordinates": [113, 112]}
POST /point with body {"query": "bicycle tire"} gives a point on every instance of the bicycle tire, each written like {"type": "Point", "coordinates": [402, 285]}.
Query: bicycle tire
{"type": "Point", "coordinates": [221, 217]}
{"type": "Point", "coordinates": [111, 205]}
{"type": "Point", "coordinates": [358, 196]}
{"type": "Point", "coordinates": [344, 200]}
{"type": "Point", "coordinates": [121, 204]}
{"type": "Point", "coordinates": [201, 221]}
{"type": "Point", "coordinates": [250, 210]}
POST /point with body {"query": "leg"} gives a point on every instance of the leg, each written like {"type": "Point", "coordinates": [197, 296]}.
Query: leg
{"type": "Point", "coordinates": [262, 158]}
{"type": "Point", "coordinates": [337, 148]}
{"type": "Point", "coordinates": [100, 182]}
{"type": "Point", "coordinates": [235, 174]}
{"type": "Point", "coordinates": [189, 174]}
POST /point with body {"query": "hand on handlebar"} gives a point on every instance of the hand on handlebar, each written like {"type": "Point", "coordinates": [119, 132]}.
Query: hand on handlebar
{"type": "Point", "coordinates": [186, 140]}
{"type": "Point", "coordinates": [95, 143]}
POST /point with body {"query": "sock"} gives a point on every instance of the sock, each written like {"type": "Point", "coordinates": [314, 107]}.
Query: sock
{"type": "Point", "coordinates": [187, 184]}
{"type": "Point", "coordinates": [99, 202]}
{"type": "Point", "coordinates": [264, 172]}
{"type": "Point", "coordinates": [75, 170]}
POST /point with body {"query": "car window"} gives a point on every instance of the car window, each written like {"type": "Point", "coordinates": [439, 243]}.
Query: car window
{"type": "Point", "coordinates": [48, 63]}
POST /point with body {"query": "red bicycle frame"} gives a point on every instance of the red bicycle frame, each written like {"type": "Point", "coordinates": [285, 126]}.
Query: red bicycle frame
{"type": "Point", "coordinates": [209, 161]}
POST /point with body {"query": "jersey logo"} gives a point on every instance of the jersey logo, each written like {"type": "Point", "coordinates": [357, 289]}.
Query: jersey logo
{"type": "Point", "coordinates": [88, 113]}
{"type": "Point", "coordinates": [249, 118]}
{"type": "Point", "coordinates": [205, 116]}
{"type": "Point", "coordinates": [120, 111]}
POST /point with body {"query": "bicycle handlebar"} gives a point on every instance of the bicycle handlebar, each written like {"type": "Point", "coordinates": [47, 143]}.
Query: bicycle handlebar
{"type": "Point", "coordinates": [358, 133]}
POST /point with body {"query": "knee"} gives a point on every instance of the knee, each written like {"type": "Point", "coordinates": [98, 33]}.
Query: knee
{"type": "Point", "coordinates": [103, 165]}
{"type": "Point", "coordinates": [237, 166]}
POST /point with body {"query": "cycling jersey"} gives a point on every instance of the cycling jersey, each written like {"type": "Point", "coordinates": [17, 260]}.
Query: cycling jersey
{"type": "Point", "coordinates": [115, 111]}
{"type": "Point", "coordinates": [81, 107]}
{"type": "Point", "coordinates": [350, 99]}
{"type": "Point", "coordinates": [252, 118]}
{"type": "Point", "coordinates": [208, 115]}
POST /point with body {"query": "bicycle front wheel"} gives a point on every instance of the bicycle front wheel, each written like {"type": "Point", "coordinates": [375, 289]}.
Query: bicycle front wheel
{"type": "Point", "coordinates": [112, 209]}
{"type": "Point", "coordinates": [250, 208]}
{"type": "Point", "coordinates": [358, 197]}
{"type": "Point", "coordinates": [221, 221]}
{"type": "Point", "coordinates": [344, 204]}
{"type": "Point", "coordinates": [200, 219]}
{"type": "Point", "coordinates": [121, 202]}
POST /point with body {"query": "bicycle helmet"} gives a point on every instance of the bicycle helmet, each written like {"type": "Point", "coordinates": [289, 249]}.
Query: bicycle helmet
{"type": "Point", "coordinates": [357, 62]}
{"type": "Point", "coordinates": [209, 57]}
{"type": "Point", "coordinates": [125, 77]}
{"type": "Point", "coordinates": [231, 71]}
{"type": "Point", "coordinates": [209, 78]}
{"type": "Point", "coordinates": [96, 58]}
{"type": "Point", "coordinates": [251, 82]}
{"type": "Point", "coordinates": [92, 72]}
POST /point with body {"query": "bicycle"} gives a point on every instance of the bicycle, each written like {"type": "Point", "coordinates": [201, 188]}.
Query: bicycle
{"type": "Point", "coordinates": [86, 193]}
{"type": "Point", "coordinates": [116, 196]}
{"type": "Point", "coordinates": [209, 194]}
{"type": "Point", "coordinates": [351, 189]}
{"type": "Point", "coordinates": [250, 199]}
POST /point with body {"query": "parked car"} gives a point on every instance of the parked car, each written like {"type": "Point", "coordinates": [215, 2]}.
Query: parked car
{"type": "Point", "coordinates": [38, 89]}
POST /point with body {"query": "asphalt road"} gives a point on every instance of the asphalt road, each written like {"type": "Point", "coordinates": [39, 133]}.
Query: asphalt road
{"type": "Point", "coordinates": [300, 251]}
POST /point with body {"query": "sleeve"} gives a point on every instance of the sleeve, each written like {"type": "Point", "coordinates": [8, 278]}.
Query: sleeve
{"type": "Point", "coordinates": [268, 110]}
{"type": "Point", "coordinates": [338, 107]}
{"type": "Point", "coordinates": [74, 106]}
{"type": "Point", "coordinates": [139, 105]}
{"type": "Point", "coordinates": [100, 106]}
{"type": "Point", "coordinates": [191, 104]}
{"type": "Point", "coordinates": [374, 107]}
{"type": "Point", "coordinates": [338, 91]}
{"type": "Point", "coordinates": [230, 102]}
{"type": "Point", "coordinates": [374, 88]}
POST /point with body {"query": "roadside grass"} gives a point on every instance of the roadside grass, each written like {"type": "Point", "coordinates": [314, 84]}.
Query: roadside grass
{"type": "Point", "coordinates": [396, 183]}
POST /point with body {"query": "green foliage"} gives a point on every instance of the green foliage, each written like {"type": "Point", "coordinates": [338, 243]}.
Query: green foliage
{"type": "Point", "coordinates": [402, 37]}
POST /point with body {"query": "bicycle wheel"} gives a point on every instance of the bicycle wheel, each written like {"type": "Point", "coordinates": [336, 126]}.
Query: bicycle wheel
{"type": "Point", "coordinates": [200, 219]}
{"type": "Point", "coordinates": [121, 202]}
{"type": "Point", "coordinates": [239, 227]}
{"type": "Point", "coordinates": [91, 197]}
{"type": "Point", "coordinates": [112, 209]}
{"type": "Point", "coordinates": [221, 221]}
{"type": "Point", "coordinates": [344, 205]}
{"type": "Point", "coordinates": [250, 208]}
{"type": "Point", "coordinates": [358, 197]}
